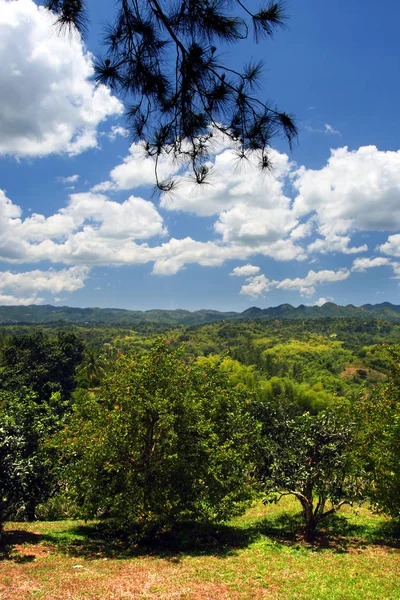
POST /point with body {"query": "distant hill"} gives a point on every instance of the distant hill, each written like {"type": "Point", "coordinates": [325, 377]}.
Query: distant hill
{"type": "Point", "coordinates": [113, 316]}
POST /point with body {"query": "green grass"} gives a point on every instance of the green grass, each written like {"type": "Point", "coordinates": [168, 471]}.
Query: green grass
{"type": "Point", "coordinates": [261, 555]}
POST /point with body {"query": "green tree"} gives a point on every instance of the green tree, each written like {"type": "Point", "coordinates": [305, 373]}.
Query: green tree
{"type": "Point", "coordinates": [163, 55]}
{"type": "Point", "coordinates": [42, 364]}
{"type": "Point", "coordinates": [161, 440]}
{"type": "Point", "coordinates": [12, 468]}
{"type": "Point", "coordinates": [93, 367]}
{"type": "Point", "coordinates": [36, 381]}
{"type": "Point", "coordinates": [379, 438]}
{"type": "Point", "coordinates": [311, 458]}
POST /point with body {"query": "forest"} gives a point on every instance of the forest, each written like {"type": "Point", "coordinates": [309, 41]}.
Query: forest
{"type": "Point", "coordinates": [148, 430]}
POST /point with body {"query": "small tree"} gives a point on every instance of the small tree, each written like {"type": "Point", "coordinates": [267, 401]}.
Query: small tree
{"type": "Point", "coordinates": [161, 440]}
{"type": "Point", "coordinates": [310, 457]}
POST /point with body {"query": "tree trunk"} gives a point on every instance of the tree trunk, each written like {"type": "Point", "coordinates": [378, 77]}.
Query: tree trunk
{"type": "Point", "coordinates": [30, 511]}
{"type": "Point", "coordinates": [311, 523]}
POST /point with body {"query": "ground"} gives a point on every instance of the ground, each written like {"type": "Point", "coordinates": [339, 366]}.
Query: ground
{"type": "Point", "coordinates": [261, 555]}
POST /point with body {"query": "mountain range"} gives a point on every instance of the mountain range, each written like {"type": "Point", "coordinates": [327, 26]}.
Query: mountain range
{"type": "Point", "coordinates": [91, 316]}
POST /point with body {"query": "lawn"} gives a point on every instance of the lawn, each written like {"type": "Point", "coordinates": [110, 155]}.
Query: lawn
{"type": "Point", "coordinates": [260, 555]}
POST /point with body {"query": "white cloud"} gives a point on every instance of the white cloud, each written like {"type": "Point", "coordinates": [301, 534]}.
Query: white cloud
{"type": "Point", "coordinates": [257, 286]}
{"type": "Point", "coordinates": [249, 224]}
{"type": "Point", "coordinates": [335, 243]}
{"type": "Point", "coordinates": [87, 218]}
{"type": "Point", "coordinates": [304, 230]}
{"type": "Point", "coordinates": [22, 288]}
{"type": "Point", "coordinates": [321, 301]}
{"type": "Point", "coordinates": [306, 285]}
{"type": "Point", "coordinates": [70, 179]}
{"type": "Point", "coordinates": [362, 264]}
{"type": "Point", "coordinates": [245, 270]}
{"type": "Point", "coordinates": [172, 256]}
{"type": "Point", "coordinates": [260, 284]}
{"type": "Point", "coordinates": [48, 104]}
{"type": "Point", "coordinates": [356, 191]}
{"type": "Point", "coordinates": [117, 130]}
{"type": "Point", "coordinates": [137, 169]}
{"type": "Point", "coordinates": [396, 270]}
{"type": "Point", "coordinates": [392, 246]}
{"type": "Point", "coordinates": [326, 129]}
{"type": "Point", "coordinates": [9, 300]}
{"type": "Point", "coordinates": [331, 130]}
{"type": "Point", "coordinates": [232, 182]}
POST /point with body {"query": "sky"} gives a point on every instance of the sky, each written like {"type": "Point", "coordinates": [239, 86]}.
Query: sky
{"type": "Point", "coordinates": [80, 224]}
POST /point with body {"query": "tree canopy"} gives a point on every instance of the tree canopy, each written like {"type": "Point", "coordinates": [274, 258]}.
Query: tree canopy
{"type": "Point", "coordinates": [164, 58]}
{"type": "Point", "coordinates": [161, 440]}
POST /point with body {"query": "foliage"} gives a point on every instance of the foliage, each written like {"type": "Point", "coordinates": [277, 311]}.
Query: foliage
{"type": "Point", "coordinates": [40, 363]}
{"type": "Point", "coordinates": [92, 368]}
{"type": "Point", "coordinates": [379, 438]}
{"type": "Point", "coordinates": [311, 458]}
{"type": "Point", "coordinates": [161, 440]}
{"type": "Point", "coordinates": [13, 469]}
{"type": "Point", "coordinates": [26, 424]}
{"type": "Point", "coordinates": [164, 56]}
{"type": "Point", "coordinates": [36, 381]}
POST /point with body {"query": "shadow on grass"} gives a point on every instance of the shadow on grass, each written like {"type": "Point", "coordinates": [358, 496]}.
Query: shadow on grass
{"type": "Point", "coordinates": [102, 540]}
{"type": "Point", "coordinates": [12, 540]}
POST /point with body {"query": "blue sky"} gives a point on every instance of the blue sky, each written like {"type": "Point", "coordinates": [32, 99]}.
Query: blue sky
{"type": "Point", "coordinates": [79, 224]}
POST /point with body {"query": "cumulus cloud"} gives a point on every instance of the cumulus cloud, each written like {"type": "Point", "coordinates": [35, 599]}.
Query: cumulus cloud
{"type": "Point", "coordinates": [232, 182]}
{"type": "Point", "coordinates": [9, 300]}
{"type": "Point", "coordinates": [89, 221]}
{"type": "Point", "coordinates": [304, 230]}
{"type": "Point", "coordinates": [287, 215]}
{"type": "Point", "coordinates": [257, 286]}
{"type": "Point", "coordinates": [392, 246]}
{"type": "Point", "coordinates": [94, 230]}
{"type": "Point", "coordinates": [356, 191]}
{"type": "Point", "coordinates": [48, 103]}
{"type": "Point", "coordinates": [251, 224]}
{"type": "Point", "coordinates": [362, 264]}
{"type": "Point", "coordinates": [306, 285]}
{"type": "Point", "coordinates": [137, 169]}
{"type": "Point", "coordinates": [334, 243]}
{"type": "Point", "coordinates": [260, 284]}
{"type": "Point", "coordinates": [245, 270]}
{"type": "Point", "coordinates": [23, 288]}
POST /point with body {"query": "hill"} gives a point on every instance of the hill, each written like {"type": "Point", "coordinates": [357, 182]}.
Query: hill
{"type": "Point", "coordinates": [114, 316]}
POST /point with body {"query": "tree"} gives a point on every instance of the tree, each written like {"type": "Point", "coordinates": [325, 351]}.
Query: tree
{"type": "Point", "coordinates": [93, 367]}
{"type": "Point", "coordinates": [161, 440]}
{"type": "Point", "coordinates": [42, 364]}
{"type": "Point", "coordinates": [311, 458]}
{"type": "Point", "coordinates": [36, 382]}
{"type": "Point", "coordinates": [379, 438]}
{"type": "Point", "coordinates": [12, 468]}
{"type": "Point", "coordinates": [163, 55]}
{"type": "Point", "coordinates": [26, 478]}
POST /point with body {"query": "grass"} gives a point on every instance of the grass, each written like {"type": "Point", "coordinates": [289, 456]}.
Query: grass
{"type": "Point", "coordinates": [261, 555]}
